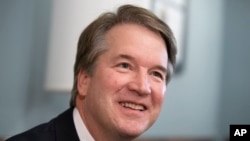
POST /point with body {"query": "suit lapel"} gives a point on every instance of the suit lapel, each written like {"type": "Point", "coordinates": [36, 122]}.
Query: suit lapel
{"type": "Point", "coordinates": [64, 127]}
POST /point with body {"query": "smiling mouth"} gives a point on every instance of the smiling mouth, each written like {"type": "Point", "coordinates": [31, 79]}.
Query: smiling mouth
{"type": "Point", "coordinates": [133, 106]}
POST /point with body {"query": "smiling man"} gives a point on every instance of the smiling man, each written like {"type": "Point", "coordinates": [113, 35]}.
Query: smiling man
{"type": "Point", "coordinates": [123, 63]}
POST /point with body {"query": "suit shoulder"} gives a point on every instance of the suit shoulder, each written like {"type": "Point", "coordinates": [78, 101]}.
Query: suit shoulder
{"type": "Point", "coordinates": [60, 128]}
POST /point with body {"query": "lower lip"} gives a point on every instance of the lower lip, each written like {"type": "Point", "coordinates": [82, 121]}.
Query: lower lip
{"type": "Point", "coordinates": [130, 112]}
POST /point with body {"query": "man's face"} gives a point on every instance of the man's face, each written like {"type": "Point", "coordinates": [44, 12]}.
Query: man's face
{"type": "Point", "coordinates": [125, 93]}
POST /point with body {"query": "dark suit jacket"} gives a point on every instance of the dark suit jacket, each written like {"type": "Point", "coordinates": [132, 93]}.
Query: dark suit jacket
{"type": "Point", "coordinates": [61, 128]}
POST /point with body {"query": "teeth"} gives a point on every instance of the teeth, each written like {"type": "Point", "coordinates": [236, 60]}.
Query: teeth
{"type": "Point", "coordinates": [133, 106]}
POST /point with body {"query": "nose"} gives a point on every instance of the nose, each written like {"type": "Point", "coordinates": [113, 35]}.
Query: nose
{"type": "Point", "coordinates": [140, 84]}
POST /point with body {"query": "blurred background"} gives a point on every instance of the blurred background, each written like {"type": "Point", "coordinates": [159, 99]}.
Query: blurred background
{"type": "Point", "coordinates": [210, 91]}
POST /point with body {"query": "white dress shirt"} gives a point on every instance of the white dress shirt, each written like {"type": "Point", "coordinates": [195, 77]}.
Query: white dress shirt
{"type": "Point", "coordinates": [81, 129]}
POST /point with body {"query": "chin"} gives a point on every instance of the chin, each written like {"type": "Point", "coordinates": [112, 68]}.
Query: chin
{"type": "Point", "coordinates": [130, 135]}
{"type": "Point", "coordinates": [132, 131]}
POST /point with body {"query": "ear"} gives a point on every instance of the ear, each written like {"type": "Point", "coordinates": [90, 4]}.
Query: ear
{"type": "Point", "coordinates": [82, 83]}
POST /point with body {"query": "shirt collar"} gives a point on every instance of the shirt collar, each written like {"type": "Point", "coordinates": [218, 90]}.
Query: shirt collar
{"type": "Point", "coordinates": [81, 129]}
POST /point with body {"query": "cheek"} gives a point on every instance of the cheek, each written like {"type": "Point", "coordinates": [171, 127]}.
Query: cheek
{"type": "Point", "coordinates": [158, 99]}
{"type": "Point", "coordinates": [114, 80]}
{"type": "Point", "coordinates": [105, 86]}
{"type": "Point", "coordinates": [158, 95]}
{"type": "Point", "coordinates": [110, 81]}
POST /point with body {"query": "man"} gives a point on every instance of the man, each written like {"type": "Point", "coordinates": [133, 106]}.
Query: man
{"type": "Point", "coordinates": [124, 61]}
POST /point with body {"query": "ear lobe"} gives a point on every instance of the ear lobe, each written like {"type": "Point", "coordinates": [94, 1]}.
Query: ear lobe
{"type": "Point", "coordinates": [82, 83]}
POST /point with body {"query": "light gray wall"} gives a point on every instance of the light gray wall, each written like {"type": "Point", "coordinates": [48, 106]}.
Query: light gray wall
{"type": "Point", "coordinates": [16, 35]}
{"type": "Point", "coordinates": [24, 30]}
{"type": "Point", "coordinates": [235, 98]}
{"type": "Point", "coordinates": [210, 93]}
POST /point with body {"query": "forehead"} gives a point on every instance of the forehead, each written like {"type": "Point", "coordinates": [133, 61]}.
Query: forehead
{"type": "Point", "coordinates": [127, 31]}
{"type": "Point", "coordinates": [138, 41]}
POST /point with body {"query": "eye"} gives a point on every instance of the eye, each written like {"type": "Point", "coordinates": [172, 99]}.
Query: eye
{"type": "Point", "coordinates": [158, 75]}
{"type": "Point", "coordinates": [124, 66]}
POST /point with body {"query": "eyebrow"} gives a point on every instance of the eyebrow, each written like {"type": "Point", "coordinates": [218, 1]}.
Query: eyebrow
{"type": "Point", "coordinates": [125, 56]}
